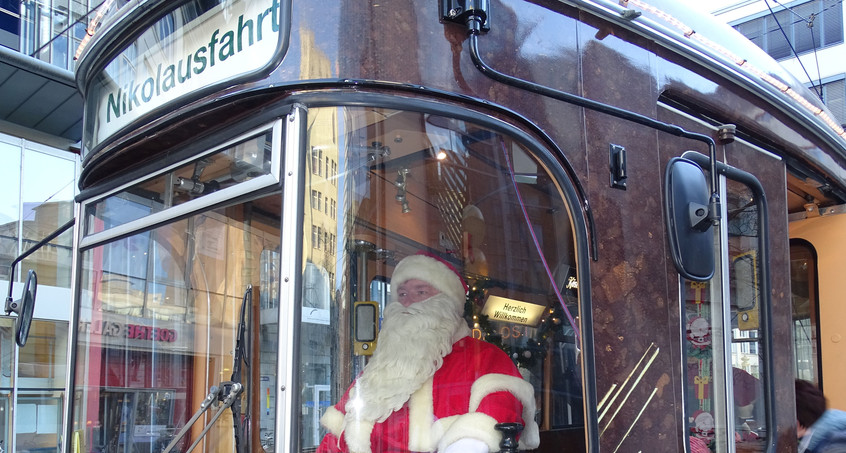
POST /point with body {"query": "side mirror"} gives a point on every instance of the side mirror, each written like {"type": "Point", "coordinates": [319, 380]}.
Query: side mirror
{"type": "Point", "coordinates": [366, 327]}
{"type": "Point", "coordinates": [690, 231]}
{"type": "Point", "coordinates": [24, 308]}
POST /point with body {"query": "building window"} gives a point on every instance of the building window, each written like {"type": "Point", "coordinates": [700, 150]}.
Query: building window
{"type": "Point", "coordinates": [315, 234]}
{"type": "Point", "coordinates": [834, 97]}
{"type": "Point", "coordinates": [316, 161]}
{"type": "Point", "coordinates": [318, 244]}
{"type": "Point", "coordinates": [808, 26]}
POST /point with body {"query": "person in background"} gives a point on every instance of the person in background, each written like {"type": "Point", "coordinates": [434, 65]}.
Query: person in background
{"type": "Point", "coordinates": [820, 430]}
{"type": "Point", "coordinates": [429, 386]}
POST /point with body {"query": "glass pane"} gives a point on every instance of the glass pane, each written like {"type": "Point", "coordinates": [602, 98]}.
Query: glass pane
{"type": "Point", "coordinates": [159, 314]}
{"type": "Point", "coordinates": [832, 19]}
{"type": "Point", "coordinates": [10, 186]}
{"type": "Point", "coordinates": [43, 362]}
{"type": "Point", "coordinates": [7, 354]}
{"type": "Point", "coordinates": [747, 354]}
{"type": "Point", "coordinates": [48, 190]}
{"type": "Point", "coordinates": [705, 359]}
{"type": "Point", "coordinates": [806, 38]}
{"type": "Point", "coordinates": [803, 287]}
{"type": "Point", "coordinates": [753, 30]}
{"type": "Point", "coordinates": [243, 161]}
{"type": "Point", "coordinates": [706, 373]}
{"type": "Point", "coordinates": [776, 44]}
{"type": "Point", "coordinates": [38, 423]}
{"type": "Point", "coordinates": [404, 182]}
{"type": "Point", "coordinates": [834, 96]}
{"type": "Point", "coordinates": [5, 419]}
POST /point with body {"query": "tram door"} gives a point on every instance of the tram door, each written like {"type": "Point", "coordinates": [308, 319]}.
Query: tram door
{"type": "Point", "coordinates": [817, 260]}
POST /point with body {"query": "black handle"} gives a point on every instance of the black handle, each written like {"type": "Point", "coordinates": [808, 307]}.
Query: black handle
{"type": "Point", "coordinates": [508, 444]}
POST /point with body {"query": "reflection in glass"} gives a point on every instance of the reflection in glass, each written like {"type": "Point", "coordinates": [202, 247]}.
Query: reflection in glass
{"type": "Point", "coordinates": [383, 184]}
{"type": "Point", "coordinates": [705, 328]}
{"type": "Point", "coordinates": [803, 287]}
{"type": "Point", "coordinates": [42, 367]}
{"type": "Point", "coordinates": [47, 194]}
{"type": "Point", "coordinates": [7, 353]}
{"type": "Point", "coordinates": [159, 310]}
{"type": "Point", "coordinates": [38, 422]}
{"type": "Point", "coordinates": [243, 161]}
{"type": "Point", "coordinates": [10, 186]}
{"type": "Point", "coordinates": [43, 362]}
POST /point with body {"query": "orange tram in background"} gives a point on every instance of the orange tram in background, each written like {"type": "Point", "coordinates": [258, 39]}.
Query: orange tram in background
{"type": "Point", "coordinates": [646, 207]}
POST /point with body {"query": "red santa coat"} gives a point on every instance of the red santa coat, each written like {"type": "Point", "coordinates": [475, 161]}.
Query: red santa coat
{"type": "Point", "coordinates": [476, 387]}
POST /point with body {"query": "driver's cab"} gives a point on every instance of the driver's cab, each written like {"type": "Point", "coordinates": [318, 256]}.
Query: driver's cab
{"type": "Point", "coordinates": [289, 231]}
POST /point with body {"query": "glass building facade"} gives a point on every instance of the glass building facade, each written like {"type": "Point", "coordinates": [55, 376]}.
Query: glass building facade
{"type": "Point", "coordinates": [50, 30]}
{"type": "Point", "coordinates": [38, 183]}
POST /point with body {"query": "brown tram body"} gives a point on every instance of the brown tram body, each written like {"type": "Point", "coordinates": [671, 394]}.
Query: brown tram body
{"type": "Point", "coordinates": [631, 299]}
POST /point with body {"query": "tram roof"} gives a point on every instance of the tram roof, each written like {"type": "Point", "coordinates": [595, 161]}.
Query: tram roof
{"type": "Point", "coordinates": [684, 26]}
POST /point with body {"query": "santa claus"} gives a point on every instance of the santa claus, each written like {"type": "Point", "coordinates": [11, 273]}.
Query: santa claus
{"type": "Point", "coordinates": [429, 385]}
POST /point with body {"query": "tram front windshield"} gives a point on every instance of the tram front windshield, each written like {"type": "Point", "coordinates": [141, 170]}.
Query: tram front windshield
{"type": "Point", "coordinates": [160, 308]}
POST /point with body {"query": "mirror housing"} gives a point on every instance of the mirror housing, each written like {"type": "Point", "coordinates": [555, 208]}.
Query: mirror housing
{"type": "Point", "coordinates": [23, 308]}
{"type": "Point", "coordinates": [690, 232]}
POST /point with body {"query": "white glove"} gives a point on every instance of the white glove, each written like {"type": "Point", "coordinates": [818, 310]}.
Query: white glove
{"type": "Point", "coordinates": [466, 445]}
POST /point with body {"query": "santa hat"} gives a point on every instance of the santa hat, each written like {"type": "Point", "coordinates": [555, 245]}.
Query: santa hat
{"type": "Point", "coordinates": [434, 271]}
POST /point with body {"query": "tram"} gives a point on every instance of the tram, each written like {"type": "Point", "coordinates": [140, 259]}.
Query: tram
{"type": "Point", "coordinates": [645, 207]}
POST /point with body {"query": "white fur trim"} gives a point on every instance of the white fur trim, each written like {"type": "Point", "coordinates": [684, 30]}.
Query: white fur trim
{"type": "Point", "coordinates": [440, 427]}
{"type": "Point", "coordinates": [522, 390]}
{"type": "Point", "coordinates": [474, 425]}
{"type": "Point", "coordinates": [333, 421]}
{"type": "Point", "coordinates": [421, 415]}
{"type": "Point", "coordinates": [467, 445]}
{"type": "Point", "coordinates": [357, 435]}
{"type": "Point", "coordinates": [432, 271]}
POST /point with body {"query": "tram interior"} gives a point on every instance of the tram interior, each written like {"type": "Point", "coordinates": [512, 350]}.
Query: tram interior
{"type": "Point", "coordinates": [380, 184]}
{"type": "Point", "coordinates": [421, 182]}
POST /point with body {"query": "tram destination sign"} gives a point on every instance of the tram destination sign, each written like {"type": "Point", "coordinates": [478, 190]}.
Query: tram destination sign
{"type": "Point", "coordinates": [177, 56]}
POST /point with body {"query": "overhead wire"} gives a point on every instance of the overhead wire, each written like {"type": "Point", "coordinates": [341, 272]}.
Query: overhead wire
{"type": "Point", "coordinates": [792, 49]}
{"type": "Point", "coordinates": [809, 21]}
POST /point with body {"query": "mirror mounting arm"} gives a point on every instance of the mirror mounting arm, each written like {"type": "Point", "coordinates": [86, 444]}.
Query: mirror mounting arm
{"type": "Point", "coordinates": [714, 208]}
{"type": "Point", "coordinates": [32, 250]}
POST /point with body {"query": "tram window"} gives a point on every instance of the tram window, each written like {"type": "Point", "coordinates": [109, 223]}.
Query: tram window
{"type": "Point", "coordinates": [406, 182]}
{"type": "Point", "coordinates": [803, 287]}
{"type": "Point", "coordinates": [158, 323]}
{"type": "Point", "coordinates": [706, 327]}
{"type": "Point", "coordinates": [236, 163]}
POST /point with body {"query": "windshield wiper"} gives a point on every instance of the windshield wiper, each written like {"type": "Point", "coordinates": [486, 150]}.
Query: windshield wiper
{"type": "Point", "coordinates": [229, 393]}
{"type": "Point", "coordinates": [242, 347]}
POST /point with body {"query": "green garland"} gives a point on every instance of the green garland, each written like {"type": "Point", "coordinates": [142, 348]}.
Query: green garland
{"type": "Point", "coordinates": [526, 353]}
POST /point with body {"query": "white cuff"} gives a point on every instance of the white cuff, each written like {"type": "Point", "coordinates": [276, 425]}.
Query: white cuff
{"type": "Point", "coordinates": [466, 445]}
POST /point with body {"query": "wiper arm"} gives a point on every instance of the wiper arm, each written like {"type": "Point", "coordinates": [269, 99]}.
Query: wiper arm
{"type": "Point", "coordinates": [241, 355]}
{"type": "Point", "coordinates": [228, 392]}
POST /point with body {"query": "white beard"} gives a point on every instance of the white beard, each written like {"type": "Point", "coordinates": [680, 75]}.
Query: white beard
{"type": "Point", "coordinates": [412, 344]}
